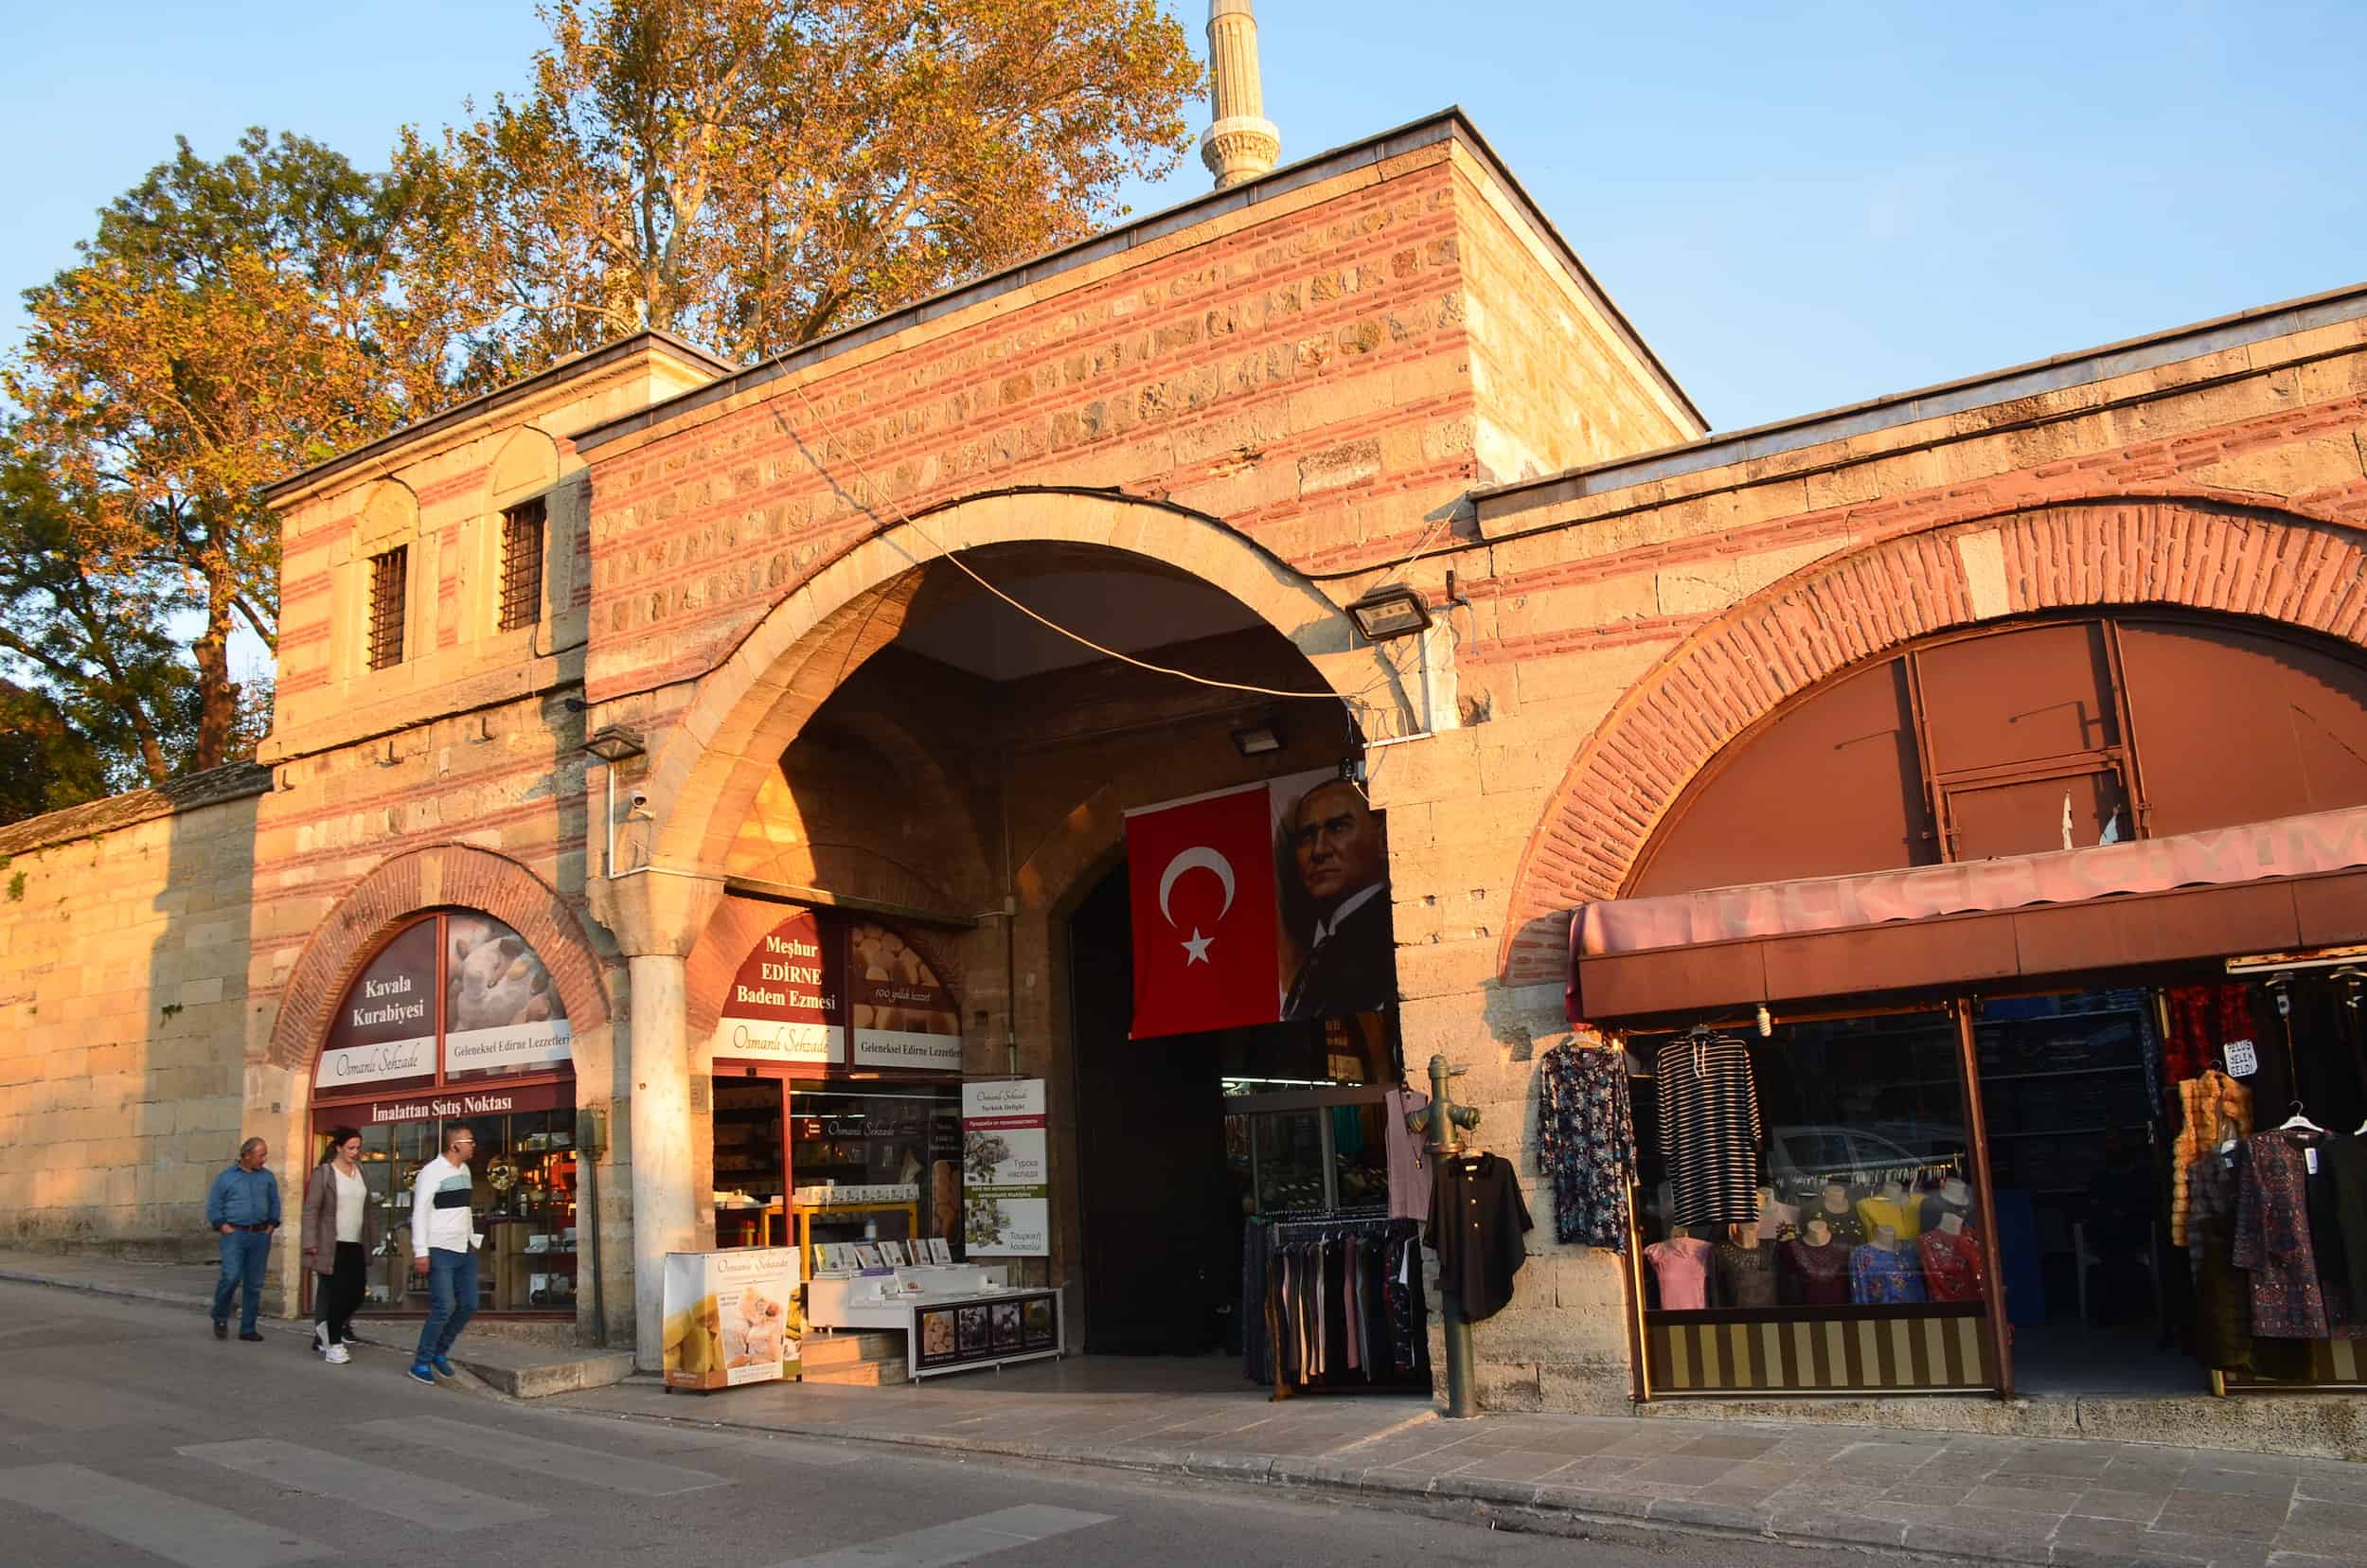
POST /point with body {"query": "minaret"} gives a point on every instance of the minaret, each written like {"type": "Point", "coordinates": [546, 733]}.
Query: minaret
{"type": "Point", "coordinates": [1240, 142]}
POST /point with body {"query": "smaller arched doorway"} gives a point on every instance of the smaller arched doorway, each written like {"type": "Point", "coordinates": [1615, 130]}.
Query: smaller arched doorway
{"type": "Point", "coordinates": [454, 1020]}
{"type": "Point", "coordinates": [1968, 992]}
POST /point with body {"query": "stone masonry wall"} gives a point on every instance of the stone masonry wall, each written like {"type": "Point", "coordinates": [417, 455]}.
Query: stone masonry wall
{"type": "Point", "coordinates": [126, 1018]}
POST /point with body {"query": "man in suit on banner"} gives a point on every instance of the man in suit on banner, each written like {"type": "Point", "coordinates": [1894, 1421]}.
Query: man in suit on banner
{"type": "Point", "coordinates": [1348, 963]}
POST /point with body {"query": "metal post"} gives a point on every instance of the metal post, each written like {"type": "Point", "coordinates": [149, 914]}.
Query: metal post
{"type": "Point", "coordinates": [1442, 1119]}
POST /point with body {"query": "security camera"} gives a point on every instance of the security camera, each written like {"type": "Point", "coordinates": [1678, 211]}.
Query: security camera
{"type": "Point", "coordinates": [639, 799]}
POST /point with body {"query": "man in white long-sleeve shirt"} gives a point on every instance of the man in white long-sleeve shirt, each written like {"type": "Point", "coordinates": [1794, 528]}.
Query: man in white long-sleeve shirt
{"type": "Point", "coordinates": [443, 1248]}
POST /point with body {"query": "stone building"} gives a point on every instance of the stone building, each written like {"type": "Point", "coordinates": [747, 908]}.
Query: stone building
{"type": "Point", "coordinates": [775, 602]}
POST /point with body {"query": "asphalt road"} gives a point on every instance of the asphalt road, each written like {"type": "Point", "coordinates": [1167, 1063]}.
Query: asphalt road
{"type": "Point", "coordinates": [130, 1435]}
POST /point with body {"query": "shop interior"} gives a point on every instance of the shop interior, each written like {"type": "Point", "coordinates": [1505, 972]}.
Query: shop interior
{"type": "Point", "coordinates": [896, 1144]}
{"type": "Point", "coordinates": [525, 1198]}
{"type": "Point", "coordinates": [2122, 1129]}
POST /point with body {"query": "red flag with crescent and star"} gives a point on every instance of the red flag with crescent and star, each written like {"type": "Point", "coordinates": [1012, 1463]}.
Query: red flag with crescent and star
{"type": "Point", "coordinates": [1200, 876]}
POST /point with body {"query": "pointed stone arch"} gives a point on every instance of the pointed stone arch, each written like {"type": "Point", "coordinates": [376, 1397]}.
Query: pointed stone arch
{"type": "Point", "coordinates": [2197, 553]}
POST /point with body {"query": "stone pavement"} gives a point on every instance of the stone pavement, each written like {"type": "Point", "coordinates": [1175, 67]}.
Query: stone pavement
{"type": "Point", "coordinates": [2084, 1502]}
{"type": "Point", "coordinates": [2077, 1502]}
{"type": "Point", "coordinates": [521, 1366]}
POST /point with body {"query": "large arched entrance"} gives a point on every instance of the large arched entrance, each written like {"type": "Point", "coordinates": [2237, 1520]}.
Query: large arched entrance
{"type": "Point", "coordinates": [925, 793]}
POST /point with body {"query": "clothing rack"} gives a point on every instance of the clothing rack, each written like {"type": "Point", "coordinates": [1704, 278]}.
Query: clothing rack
{"type": "Point", "coordinates": [1303, 1233]}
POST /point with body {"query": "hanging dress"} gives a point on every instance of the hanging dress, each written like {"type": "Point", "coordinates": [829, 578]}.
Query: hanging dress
{"type": "Point", "coordinates": [1709, 1132]}
{"type": "Point", "coordinates": [1586, 1142]}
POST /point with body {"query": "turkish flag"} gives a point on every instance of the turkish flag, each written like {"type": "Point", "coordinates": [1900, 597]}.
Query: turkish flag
{"type": "Point", "coordinates": [1201, 880]}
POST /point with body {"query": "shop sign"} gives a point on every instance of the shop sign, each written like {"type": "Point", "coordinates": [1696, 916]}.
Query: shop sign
{"type": "Point", "coordinates": [786, 1002]}
{"type": "Point", "coordinates": [462, 1102]}
{"type": "Point", "coordinates": [731, 1317]}
{"type": "Point", "coordinates": [903, 1016]}
{"type": "Point", "coordinates": [386, 1029]}
{"type": "Point", "coordinates": [2243, 1058]}
{"type": "Point", "coordinates": [1006, 1183]}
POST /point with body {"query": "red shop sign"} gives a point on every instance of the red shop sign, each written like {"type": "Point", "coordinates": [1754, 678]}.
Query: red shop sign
{"type": "Point", "coordinates": [453, 1102]}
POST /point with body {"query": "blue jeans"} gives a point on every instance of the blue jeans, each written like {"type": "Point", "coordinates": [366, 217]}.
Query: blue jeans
{"type": "Point", "coordinates": [243, 1253]}
{"type": "Point", "coordinates": [451, 1301]}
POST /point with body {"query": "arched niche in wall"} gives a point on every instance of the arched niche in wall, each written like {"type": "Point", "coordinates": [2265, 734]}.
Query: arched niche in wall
{"type": "Point", "coordinates": [2008, 740]}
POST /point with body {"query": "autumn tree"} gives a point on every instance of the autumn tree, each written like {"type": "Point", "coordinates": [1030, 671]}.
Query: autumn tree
{"type": "Point", "coordinates": [753, 173]}
{"type": "Point", "coordinates": [226, 326]}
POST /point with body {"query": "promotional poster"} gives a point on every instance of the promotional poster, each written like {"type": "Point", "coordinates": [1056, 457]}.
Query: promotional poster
{"type": "Point", "coordinates": [1006, 1208]}
{"type": "Point", "coordinates": [1259, 905]}
{"type": "Point", "coordinates": [731, 1317]}
{"type": "Point", "coordinates": [821, 988]}
{"type": "Point", "coordinates": [481, 989]}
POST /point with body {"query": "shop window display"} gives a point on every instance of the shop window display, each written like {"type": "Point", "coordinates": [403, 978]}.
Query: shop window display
{"type": "Point", "coordinates": [1305, 1120]}
{"type": "Point", "coordinates": [525, 1198]}
{"type": "Point", "coordinates": [881, 1143]}
{"type": "Point", "coordinates": [1823, 1165]}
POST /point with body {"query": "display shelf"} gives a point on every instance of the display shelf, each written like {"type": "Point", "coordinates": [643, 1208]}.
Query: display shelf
{"type": "Point", "coordinates": [807, 1215]}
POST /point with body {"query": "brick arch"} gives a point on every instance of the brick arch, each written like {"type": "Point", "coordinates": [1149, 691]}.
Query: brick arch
{"type": "Point", "coordinates": [2202, 554]}
{"type": "Point", "coordinates": [704, 774]}
{"type": "Point", "coordinates": [442, 876]}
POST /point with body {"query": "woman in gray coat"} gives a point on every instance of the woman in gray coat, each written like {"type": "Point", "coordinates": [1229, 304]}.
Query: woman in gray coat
{"type": "Point", "coordinates": [340, 1233]}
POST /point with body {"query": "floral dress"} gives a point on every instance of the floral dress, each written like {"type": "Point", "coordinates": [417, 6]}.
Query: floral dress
{"type": "Point", "coordinates": [1586, 1143]}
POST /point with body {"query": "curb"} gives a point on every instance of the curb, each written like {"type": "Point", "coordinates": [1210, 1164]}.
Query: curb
{"type": "Point", "coordinates": [1520, 1506]}
{"type": "Point", "coordinates": [106, 1288]}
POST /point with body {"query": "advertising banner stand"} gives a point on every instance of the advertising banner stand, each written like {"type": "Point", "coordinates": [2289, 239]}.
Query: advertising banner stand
{"type": "Point", "coordinates": [731, 1318]}
{"type": "Point", "coordinates": [1007, 1188]}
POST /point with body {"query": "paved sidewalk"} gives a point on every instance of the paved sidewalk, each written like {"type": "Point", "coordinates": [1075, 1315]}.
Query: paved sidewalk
{"type": "Point", "coordinates": [2080, 1502]}
{"type": "Point", "coordinates": [521, 1369]}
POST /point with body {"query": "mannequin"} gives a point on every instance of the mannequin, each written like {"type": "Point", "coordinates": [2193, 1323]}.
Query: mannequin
{"type": "Point", "coordinates": [1681, 1266]}
{"type": "Point", "coordinates": [1746, 1265]}
{"type": "Point", "coordinates": [1834, 1209]}
{"type": "Point", "coordinates": [1892, 1206]}
{"type": "Point", "coordinates": [1777, 1220]}
{"type": "Point", "coordinates": [1951, 1260]}
{"type": "Point", "coordinates": [1954, 1197]}
{"type": "Point", "coordinates": [1882, 1272]}
{"type": "Point", "coordinates": [1814, 1267]}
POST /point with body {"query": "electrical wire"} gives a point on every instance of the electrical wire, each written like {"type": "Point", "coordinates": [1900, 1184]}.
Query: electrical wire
{"type": "Point", "coordinates": [1352, 702]}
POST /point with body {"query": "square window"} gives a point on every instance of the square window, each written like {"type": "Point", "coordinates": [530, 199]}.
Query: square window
{"type": "Point", "coordinates": [522, 566]}
{"type": "Point", "coordinates": [388, 573]}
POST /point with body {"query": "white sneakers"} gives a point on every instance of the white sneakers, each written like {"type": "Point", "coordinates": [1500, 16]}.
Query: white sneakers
{"type": "Point", "coordinates": [337, 1355]}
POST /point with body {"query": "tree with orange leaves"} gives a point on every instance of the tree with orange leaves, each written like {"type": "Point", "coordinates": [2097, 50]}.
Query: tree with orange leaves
{"type": "Point", "coordinates": [751, 174]}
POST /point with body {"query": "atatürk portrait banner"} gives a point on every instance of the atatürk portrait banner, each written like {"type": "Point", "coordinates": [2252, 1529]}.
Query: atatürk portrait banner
{"type": "Point", "coordinates": [1257, 904]}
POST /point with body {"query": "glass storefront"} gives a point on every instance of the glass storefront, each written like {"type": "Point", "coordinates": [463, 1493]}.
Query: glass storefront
{"type": "Point", "coordinates": [524, 1200]}
{"type": "Point", "coordinates": [454, 1021]}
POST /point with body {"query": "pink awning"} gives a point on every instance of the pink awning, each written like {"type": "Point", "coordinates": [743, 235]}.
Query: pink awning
{"type": "Point", "coordinates": [2286, 847]}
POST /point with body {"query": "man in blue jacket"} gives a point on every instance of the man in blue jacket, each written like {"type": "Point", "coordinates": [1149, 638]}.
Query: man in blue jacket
{"type": "Point", "coordinates": [242, 1206]}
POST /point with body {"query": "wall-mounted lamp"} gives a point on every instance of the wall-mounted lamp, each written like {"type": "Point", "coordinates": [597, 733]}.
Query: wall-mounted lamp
{"type": "Point", "coordinates": [1392, 610]}
{"type": "Point", "coordinates": [615, 743]}
{"type": "Point", "coordinates": [612, 745]}
{"type": "Point", "coordinates": [1258, 739]}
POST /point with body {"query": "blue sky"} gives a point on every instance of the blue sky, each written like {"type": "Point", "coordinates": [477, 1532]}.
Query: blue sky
{"type": "Point", "coordinates": [1798, 206]}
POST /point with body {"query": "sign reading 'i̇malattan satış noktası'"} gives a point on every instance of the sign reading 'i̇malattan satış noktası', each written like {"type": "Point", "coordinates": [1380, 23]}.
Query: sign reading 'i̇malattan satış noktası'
{"type": "Point", "coordinates": [787, 1002]}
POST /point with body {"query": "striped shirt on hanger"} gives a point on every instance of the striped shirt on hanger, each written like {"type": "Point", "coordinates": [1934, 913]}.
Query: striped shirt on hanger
{"type": "Point", "coordinates": [1709, 1130]}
